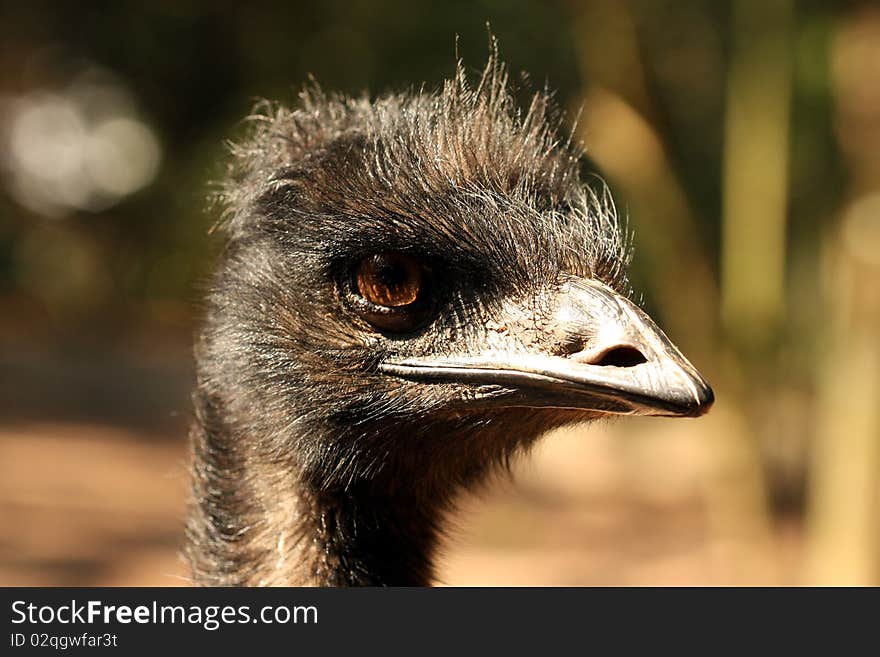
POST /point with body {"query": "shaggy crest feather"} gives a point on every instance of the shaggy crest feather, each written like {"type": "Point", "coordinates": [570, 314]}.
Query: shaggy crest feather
{"type": "Point", "coordinates": [415, 156]}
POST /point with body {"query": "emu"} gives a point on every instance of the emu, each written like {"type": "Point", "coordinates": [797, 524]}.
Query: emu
{"type": "Point", "coordinates": [413, 289]}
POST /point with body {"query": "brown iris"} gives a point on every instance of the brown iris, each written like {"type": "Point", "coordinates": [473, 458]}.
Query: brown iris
{"type": "Point", "coordinates": [391, 291]}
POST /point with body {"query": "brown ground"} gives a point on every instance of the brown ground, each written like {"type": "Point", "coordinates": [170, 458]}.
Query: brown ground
{"type": "Point", "coordinates": [634, 502]}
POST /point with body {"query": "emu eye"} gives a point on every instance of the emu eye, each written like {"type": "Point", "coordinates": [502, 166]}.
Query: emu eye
{"type": "Point", "coordinates": [391, 291]}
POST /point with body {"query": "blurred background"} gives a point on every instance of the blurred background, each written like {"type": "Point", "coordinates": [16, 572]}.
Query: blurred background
{"type": "Point", "coordinates": [741, 138]}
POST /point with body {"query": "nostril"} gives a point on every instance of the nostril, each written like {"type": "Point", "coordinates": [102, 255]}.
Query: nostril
{"type": "Point", "coordinates": [622, 357]}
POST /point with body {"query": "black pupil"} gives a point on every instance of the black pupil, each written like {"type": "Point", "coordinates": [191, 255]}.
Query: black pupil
{"type": "Point", "coordinates": [392, 274]}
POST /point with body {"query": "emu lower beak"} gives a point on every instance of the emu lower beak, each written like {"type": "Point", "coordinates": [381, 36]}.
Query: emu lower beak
{"type": "Point", "coordinates": [614, 360]}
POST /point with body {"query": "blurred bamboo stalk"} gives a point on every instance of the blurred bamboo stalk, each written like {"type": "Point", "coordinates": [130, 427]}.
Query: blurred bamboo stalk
{"type": "Point", "coordinates": [621, 138]}
{"type": "Point", "coordinates": [617, 129]}
{"type": "Point", "coordinates": [630, 151]}
{"type": "Point", "coordinates": [756, 160]}
{"type": "Point", "coordinates": [843, 517]}
{"type": "Point", "coordinates": [843, 527]}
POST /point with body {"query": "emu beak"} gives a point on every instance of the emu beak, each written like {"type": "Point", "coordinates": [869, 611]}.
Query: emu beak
{"type": "Point", "coordinates": [613, 359]}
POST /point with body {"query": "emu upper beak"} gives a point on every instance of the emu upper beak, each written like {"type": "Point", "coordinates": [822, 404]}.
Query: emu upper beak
{"type": "Point", "coordinates": [613, 359]}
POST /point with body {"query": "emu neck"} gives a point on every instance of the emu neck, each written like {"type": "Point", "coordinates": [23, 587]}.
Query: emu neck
{"type": "Point", "coordinates": [261, 522]}
{"type": "Point", "coordinates": [362, 537]}
{"type": "Point", "coordinates": [274, 517]}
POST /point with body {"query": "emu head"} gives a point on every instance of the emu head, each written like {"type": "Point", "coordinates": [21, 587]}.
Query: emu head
{"type": "Point", "coordinates": [417, 286]}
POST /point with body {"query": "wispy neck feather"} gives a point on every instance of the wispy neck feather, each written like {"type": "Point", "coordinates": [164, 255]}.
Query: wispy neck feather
{"type": "Point", "coordinates": [263, 521]}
